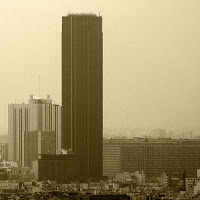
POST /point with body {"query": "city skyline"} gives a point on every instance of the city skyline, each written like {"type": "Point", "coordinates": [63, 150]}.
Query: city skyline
{"type": "Point", "coordinates": [151, 65]}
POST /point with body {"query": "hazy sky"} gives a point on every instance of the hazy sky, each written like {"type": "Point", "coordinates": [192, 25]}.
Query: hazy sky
{"type": "Point", "coordinates": [151, 58]}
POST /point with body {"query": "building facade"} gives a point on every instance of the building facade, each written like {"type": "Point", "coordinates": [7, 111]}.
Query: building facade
{"type": "Point", "coordinates": [111, 159]}
{"type": "Point", "coordinates": [82, 90]}
{"type": "Point", "coordinates": [37, 115]}
{"type": "Point", "coordinates": [3, 151]}
{"type": "Point", "coordinates": [36, 143]}
{"type": "Point", "coordinates": [153, 156]}
{"type": "Point", "coordinates": [60, 168]}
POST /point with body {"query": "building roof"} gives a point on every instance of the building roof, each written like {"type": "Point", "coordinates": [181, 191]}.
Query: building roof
{"type": "Point", "coordinates": [81, 14]}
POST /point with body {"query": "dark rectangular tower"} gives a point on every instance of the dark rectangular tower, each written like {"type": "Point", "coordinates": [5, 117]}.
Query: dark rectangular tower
{"type": "Point", "coordinates": [82, 90]}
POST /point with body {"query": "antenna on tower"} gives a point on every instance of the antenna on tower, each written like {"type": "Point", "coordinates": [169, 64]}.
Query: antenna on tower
{"type": "Point", "coordinates": [39, 86]}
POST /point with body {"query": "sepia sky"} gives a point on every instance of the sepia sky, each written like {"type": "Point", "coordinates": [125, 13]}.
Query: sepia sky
{"type": "Point", "coordinates": [151, 58]}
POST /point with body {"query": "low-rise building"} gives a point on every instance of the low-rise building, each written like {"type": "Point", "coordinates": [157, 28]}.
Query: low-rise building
{"type": "Point", "coordinates": [140, 177]}
{"type": "Point", "coordinates": [9, 164]}
{"type": "Point", "coordinates": [164, 179]}
{"type": "Point", "coordinates": [190, 183]}
{"type": "Point", "coordinates": [197, 188]}
{"type": "Point", "coordinates": [11, 170]}
{"type": "Point", "coordinates": [18, 171]}
{"type": "Point", "coordinates": [9, 185]}
{"type": "Point", "coordinates": [60, 168]}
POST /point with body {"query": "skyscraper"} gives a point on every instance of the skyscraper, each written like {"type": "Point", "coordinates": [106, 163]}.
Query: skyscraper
{"type": "Point", "coordinates": [37, 115]}
{"type": "Point", "coordinates": [82, 90]}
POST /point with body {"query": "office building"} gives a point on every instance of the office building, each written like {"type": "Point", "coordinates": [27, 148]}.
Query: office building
{"type": "Point", "coordinates": [153, 156]}
{"type": "Point", "coordinates": [60, 168]}
{"type": "Point", "coordinates": [38, 115]}
{"type": "Point", "coordinates": [82, 90]}
{"type": "Point", "coordinates": [36, 143]}
{"type": "Point", "coordinates": [111, 160]}
{"type": "Point", "coordinates": [3, 151]}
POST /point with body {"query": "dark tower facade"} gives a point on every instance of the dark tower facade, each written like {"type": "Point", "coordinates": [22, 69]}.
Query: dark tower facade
{"type": "Point", "coordinates": [82, 90]}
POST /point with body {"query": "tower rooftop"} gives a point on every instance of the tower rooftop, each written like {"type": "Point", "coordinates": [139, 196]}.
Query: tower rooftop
{"type": "Point", "coordinates": [82, 14]}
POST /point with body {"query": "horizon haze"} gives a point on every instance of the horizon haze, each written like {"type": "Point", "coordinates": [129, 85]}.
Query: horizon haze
{"type": "Point", "coordinates": [151, 61]}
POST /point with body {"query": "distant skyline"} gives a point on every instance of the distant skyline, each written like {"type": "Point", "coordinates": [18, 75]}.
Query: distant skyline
{"type": "Point", "coordinates": [151, 58]}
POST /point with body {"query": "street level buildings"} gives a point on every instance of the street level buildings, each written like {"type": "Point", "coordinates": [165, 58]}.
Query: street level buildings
{"type": "Point", "coordinates": [82, 90]}
{"type": "Point", "coordinates": [152, 156]}
{"type": "Point", "coordinates": [38, 115]}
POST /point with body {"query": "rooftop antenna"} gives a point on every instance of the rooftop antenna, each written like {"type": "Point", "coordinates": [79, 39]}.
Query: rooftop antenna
{"type": "Point", "coordinates": [39, 86]}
